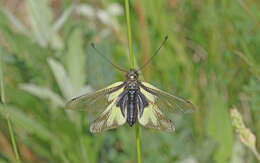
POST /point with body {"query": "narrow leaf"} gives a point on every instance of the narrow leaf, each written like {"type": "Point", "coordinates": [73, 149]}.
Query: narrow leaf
{"type": "Point", "coordinates": [62, 19]}
{"type": "Point", "coordinates": [43, 93]}
{"type": "Point", "coordinates": [15, 22]}
{"type": "Point", "coordinates": [75, 59]}
{"type": "Point", "coordinates": [41, 18]}
{"type": "Point", "coordinates": [61, 78]}
{"type": "Point", "coordinates": [220, 129]}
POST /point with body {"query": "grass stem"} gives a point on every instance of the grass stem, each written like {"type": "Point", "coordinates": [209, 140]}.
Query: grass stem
{"type": "Point", "coordinates": [138, 144]}
{"type": "Point", "coordinates": [131, 60]}
{"type": "Point", "coordinates": [2, 86]}
{"type": "Point", "coordinates": [130, 46]}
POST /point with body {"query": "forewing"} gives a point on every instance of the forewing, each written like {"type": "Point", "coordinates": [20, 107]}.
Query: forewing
{"type": "Point", "coordinates": [166, 102]}
{"type": "Point", "coordinates": [109, 119]}
{"type": "Point", "coordinates": [96, 101]}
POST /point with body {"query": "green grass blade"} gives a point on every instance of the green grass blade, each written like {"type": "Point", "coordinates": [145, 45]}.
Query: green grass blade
{"type": "Point", "coordinates": [5, 108]}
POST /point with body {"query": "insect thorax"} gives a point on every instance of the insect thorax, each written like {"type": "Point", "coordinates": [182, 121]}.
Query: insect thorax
{"type": "Point", "coordinates": [132, 85]}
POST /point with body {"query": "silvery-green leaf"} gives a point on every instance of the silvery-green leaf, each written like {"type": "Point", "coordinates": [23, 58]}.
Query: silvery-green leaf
{"type": "Point", "coordinates": [62, 19]}
{"type": "Point", "coordinates": [115, 9]}
{"type": "Point", "coordinates": [61, 78]}
{"type": "Point", "coordinates": [190, 159]}
{"type": "Point", "coordinates": [85, 10]}
{"type": "Point", "coordinates": [56, 42]}
{"type": "Point", "coordinates": [41, 18]}
{"type": "Point", "coordinates": [75, 59]}
{"type": "Point", "coordinates": [44, 93]}
{"type": "Point", "coordinates": [15, 22]}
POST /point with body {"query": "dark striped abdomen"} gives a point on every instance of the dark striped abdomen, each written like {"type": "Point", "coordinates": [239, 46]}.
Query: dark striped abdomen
{"type": "Point", "coordinates": [132, 108]}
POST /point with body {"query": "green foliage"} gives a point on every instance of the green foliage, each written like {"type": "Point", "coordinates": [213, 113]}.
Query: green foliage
{"type": "Point", "coordinates": [75, 59]}
{"type": "Point", "coordinates": [211, 57]}
{"type": "Point", "coordinates": [220, 129]}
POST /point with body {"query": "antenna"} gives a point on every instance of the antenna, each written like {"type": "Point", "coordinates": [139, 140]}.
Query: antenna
{"type": "Point", "coordinates": [99, 53]}
{"type": "Point", "coordinates": [155, 53]}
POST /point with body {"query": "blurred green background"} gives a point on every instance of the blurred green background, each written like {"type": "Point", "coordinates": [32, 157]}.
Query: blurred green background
{"type": "Point", "coordinates": [212, 57]}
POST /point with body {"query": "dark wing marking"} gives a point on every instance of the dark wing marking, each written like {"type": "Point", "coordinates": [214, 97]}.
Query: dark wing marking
{"type": "Point", "coordinates": [166, 102]}
{"type": "Point", "coordinates": [96, 101]}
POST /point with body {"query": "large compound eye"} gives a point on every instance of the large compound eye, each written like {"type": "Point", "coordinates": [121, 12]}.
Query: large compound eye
{"type": "Point", "coordinates": [136, 75]}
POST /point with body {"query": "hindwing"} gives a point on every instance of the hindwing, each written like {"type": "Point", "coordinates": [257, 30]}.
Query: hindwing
{"type": "Point", "coordinates": [161, 102]}
{"type": "Point", "coordinates": [152, 117]}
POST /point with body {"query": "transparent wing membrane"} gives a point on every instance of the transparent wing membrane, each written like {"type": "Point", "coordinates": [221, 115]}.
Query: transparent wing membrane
{"type": "Point", "coordinates": [104, 99]}
{"type": "Point", "coordinates": [153, 118]}
{"type": "Point", "coordinates": [96, 101]}
{"type": "Point", "coordinates": [155, 105]}
{"type": "Point", "coordinates": [166, 102]}
{"type": "Point", "coordinates": [109, 119]}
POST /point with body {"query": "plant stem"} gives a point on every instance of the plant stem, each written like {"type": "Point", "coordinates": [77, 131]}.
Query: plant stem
{"type": "Point", "coordinates": [138, 146]}
{"type": "Point", "coordinates": [131, 60]}
{"type": "Point", "coordinates": [257, 155]}
{"type": "Point", "coordinates": [5, 108]}
{"type": "Point", "coordinates": [130, 46]}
